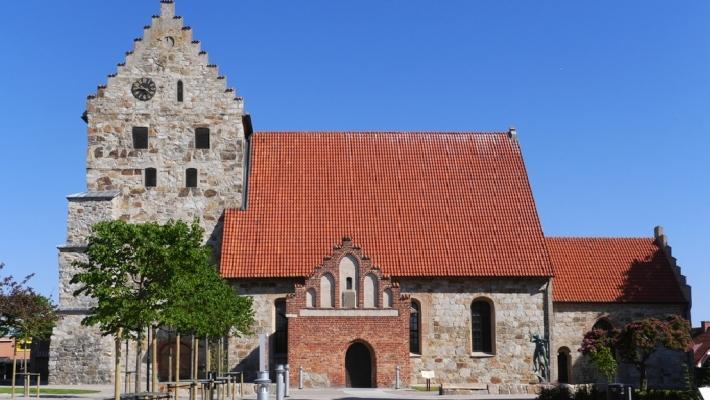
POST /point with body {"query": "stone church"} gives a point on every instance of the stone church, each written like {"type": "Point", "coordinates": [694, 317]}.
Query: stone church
{"type": "Point", "coordinates": [365, 252]}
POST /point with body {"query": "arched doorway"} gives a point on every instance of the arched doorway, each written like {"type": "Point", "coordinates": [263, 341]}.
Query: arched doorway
{"type": "Point", "coordinates": [564, 361]}
{"type": "Point", "coordinates": [167, 360]}
{"type": "Point", "coordinates": [358, 366]}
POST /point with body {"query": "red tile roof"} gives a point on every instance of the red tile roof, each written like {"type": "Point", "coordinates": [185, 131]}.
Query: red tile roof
{"type": "Point", "coordinates": [419, 204]}
{"type": "Point", "coordinates": [701, 347]}
{"type": "Point", "coordinates": [612, 270]}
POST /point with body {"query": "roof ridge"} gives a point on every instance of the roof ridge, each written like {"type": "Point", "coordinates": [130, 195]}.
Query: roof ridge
{"type": "Point", "coordinates": [601, 237]}
{"type": "Point", "coordinates": [386, 132]}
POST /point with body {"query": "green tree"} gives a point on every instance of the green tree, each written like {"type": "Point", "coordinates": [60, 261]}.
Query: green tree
{"type": "Point", "coordinates": [597, 344]}
{"type": "Point", "coordinates": [204, 305]}
{"type": "Point", "coordinates": [140, 275]}
{"type": "Point", "coordinates": [126, 270]}
{"type": "Point", "coordinates": [638, 340]}
{"type": "Point", "coordinates": [24, 315]}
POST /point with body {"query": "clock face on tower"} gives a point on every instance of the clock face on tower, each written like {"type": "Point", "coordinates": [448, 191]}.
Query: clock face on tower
{"type": "Point", "coordinates": [143, 89]}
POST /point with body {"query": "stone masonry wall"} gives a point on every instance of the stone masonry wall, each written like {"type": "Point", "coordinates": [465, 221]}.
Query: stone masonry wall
{"type": "Point", "coordinates": [243, 351]}
{"type": "Point", "coordinates": [79, 355]}
{"type": "Point", "coordinates": [573, 320]}
{"type": "Point", "coordinates": [446, 331]}
{"type": "Point", "coordinates": [165, 54]}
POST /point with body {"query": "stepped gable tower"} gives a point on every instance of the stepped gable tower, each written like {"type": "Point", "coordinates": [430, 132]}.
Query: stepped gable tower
{"type": "Point", "coordinates": [166, 140]}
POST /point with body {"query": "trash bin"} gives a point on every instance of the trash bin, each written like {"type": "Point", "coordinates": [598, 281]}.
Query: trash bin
{"type": "Point", "coordinates": [618, 391]}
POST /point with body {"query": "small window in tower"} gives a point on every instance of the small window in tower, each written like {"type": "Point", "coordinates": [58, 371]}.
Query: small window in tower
{"type": "Point", "coordinates": [191, 178]}
{"type": "Point", "coordinates": [151, 177]}
{"type": "Point", "coordinates": [349, 283]}
{"type": "Point", "coordinates": [180, 91]}
{"type": "Point", "coordinates": [202, 138]}
{"type": "Point", "coordinates": [140, 137]}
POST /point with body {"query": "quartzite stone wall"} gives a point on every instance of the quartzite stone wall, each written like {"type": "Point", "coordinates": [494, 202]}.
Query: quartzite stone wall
{"type": "Point", "coordinates": [446, 331]}
{"type": "Point", "coordinates": [165, 54]}
{"type": "Point", "coordinates": [573, 320]}
{"type": "Point", "coordinates": [243, 351]}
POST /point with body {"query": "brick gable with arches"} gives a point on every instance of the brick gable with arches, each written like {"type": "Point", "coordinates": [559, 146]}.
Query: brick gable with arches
{"type": "Point", "coordinates": [319, 337]}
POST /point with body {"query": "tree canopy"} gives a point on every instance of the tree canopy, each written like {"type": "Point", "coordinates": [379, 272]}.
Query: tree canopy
{"type": "Point", "coordinates": [145, 274]}
{"type": "Point", "coordinates": [635, 343]}
{"type": "Point", "coordinates": [25, 314]}
{"type": "Point", "coordinates": [203, 304]}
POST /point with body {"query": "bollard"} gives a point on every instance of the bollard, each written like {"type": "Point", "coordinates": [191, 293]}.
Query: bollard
{"type": "Point", "coordinates": [262, 382]}
{"type": "Point", "coordinates": [287, 387]}
{"type": "Point", "coordinates": [300, 378]}
{"type": "Point", "coordinates": [280, 382]}
{"type": "Point", "coordinates": [396, 379]}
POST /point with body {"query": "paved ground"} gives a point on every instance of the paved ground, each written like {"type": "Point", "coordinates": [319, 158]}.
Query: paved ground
{"type": "Point", "coordinates": [106, 392]}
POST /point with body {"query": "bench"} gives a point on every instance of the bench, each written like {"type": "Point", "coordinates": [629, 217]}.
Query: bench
{"type": "Point", "coordinates": [464, 388]}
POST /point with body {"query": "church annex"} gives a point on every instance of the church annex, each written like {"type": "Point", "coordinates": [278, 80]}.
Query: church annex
{"type": "Point", "coordinates": [364, 252]}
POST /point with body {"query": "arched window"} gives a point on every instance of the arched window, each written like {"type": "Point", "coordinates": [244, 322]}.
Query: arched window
{"type": "Point", "coordinates": [191, 178]}
{"type": "Point", "coordinates": [151, 177]}
{"type": "Point", "coordinates": [564, 362]}
{"type": "Point", "coordinates": [327, 291]}
{"type": "Point", "coordinates": [482, 326]}
{"type": "Point", "coordinates": [179, 91]}
{"type": "Point", "coordinates": [387, 298]}
{"type": "Point", "coordinates": [202, 138]}
{"type": "Point", "coordinates": [415, 328]}
{"type": "Point", "coordinates": [310, 298]}
{"type": "Point", "coordinates": [603, 324]}
{"type": "Point", "coordinates": [349, 281]}
{"type": "Point", "coordinates": [280, 327]}
{"type": "Point", "coordinates": [370, 291]}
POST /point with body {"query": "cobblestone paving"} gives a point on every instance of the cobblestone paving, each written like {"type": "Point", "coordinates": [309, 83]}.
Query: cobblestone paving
{"type": "Point", "coordinates": [106, 392]}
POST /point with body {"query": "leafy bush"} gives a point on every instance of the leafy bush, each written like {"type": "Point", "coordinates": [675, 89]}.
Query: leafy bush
{"type": "Point", "coordinates": [667, 395]}
{"type": "Point", "coordinates": [587, 393]}
{"type": "Point", "coordinates": [592, 393]}
{"type": "Point", "coordinates": [604, 361]}
{"type": "Point", "coordinates": [702, 376]}
{"type": "Point", "coordinates": [556, 393]}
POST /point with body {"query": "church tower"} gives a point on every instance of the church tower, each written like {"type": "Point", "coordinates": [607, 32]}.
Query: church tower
{"type": "Point", "coordinates": [166, 140]}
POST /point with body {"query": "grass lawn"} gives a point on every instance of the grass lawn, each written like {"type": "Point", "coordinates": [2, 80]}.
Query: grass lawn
{"type": "Point", "coordinates": [422, 388]}
{"type": "Point", "coordinates": [33, 390]}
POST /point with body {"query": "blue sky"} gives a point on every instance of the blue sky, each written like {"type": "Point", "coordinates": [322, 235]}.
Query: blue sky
{"type": "Point", "coordinates": [610, 99]}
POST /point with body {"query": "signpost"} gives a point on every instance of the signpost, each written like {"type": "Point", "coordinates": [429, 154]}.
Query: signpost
{"type": "Point", "coordinates": [428, 375]}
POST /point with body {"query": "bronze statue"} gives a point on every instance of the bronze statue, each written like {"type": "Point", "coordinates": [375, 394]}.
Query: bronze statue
{"type": "Point", "coordinates": [541, 358]}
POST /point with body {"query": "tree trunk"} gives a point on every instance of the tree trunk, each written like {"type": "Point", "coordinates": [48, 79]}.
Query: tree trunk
{"type": "Point", "coordinates": [154, 360]}
{"type": "Point", "coordinates": [195, 356]}
{"type": "Point", "coordinates": [14, 365]}
{"type": "Point", "coordinates": [117, 368]}
{"type": "Point", "coordinates": [177, 359]}
{"type": "Point", "coordinates": [643, 384]}
{"type": "Point", "coordinates": [139, 353]}
{"type": "Point", "coordinates": [219, 358]}
{"type": "Point", "coordinates": [207, 357]}
{"type": "Point", "coordinates": [193, 366]}
{"type": "Point", "coordinates": [25, 381]}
